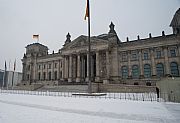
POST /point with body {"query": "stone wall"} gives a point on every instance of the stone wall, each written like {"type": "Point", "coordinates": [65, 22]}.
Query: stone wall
{"type": "Point", "coordinates": [170, 89]}
{"type": "Point", "coordinates": [66, 88]}
{"type": "Point", "coordinates": [119, 88]}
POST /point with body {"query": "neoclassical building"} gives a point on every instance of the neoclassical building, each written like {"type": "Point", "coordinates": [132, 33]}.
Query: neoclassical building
{"type": "Point", "coordinates": [112, 60]}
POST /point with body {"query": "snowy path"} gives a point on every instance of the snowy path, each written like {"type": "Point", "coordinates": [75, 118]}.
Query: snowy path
{"type": "Point", "coordinates": [96, 109]}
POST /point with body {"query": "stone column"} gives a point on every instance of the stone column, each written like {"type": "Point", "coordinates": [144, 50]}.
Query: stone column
{"type": "Point", "coordinates": [92, 66]}
{"type": "Point", "coordinates": [24, 72]}
{"type": "Point", "coordinates": [59, 68]}
{"type": "Point", "coordinates": [129, 65]}
{"type": "Point", "coordinates": [70, 69]}
{"type": "Point", "coordinates": [141, 65]}
{"type": "Point", "coordinates": [30, 75]}
{"type": "Point", "coordinates": [66, 67]}
{"type": "Point", "coordinates": [62, 68]}
{"type": "Point", "coordinates": [78, 68]}
{"type": "Point", "coordinates": [47, 72]}
{"type": "Point", "coordinates": [82, 67]}
{"type": "Point", "coordinates": [166, 60]}
{"type": "Point", "coordinates": [34, 70]}
{"type": "Point", "coordinates": [97, 79]}
{"type": "Point", "coordinates": [107, 66]}
{"type": "Point", "coordinates": [153, 63]}
{"type": "Point", "coordinates": [87, 78]}
{"type": "Point", "coordinates": [52, 73]}
{"type": "Point", "coordinates": [81, 70]}
{"type": "Point", "coordinates": [42, 71]}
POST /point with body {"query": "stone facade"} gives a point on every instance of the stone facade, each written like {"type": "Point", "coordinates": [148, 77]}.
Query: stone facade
{"type": "Point", "coordinates": [112, 60]}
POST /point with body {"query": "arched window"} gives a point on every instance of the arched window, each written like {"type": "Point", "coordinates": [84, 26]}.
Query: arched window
{"type": "Point", "coordinates": [124, 70]}
{"type": "Point", "coordinates": [49, 75]}
{"type": "Point", "coordinates": [147, 71]}
{"type": "Point", "coordinates": [55, 75]}
{"type": "Point", "coordinates": [39, 76]}
{"type": "Point", "coordinates": [160, 69]}
{"type": "Point", "coordinates": [44, 75]}
{"type": "Point", "coordinates": [135, 71]}
{"type": "Point", "coordinates": [174, 69]}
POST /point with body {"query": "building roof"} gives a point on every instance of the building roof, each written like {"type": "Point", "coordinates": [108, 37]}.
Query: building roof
{"type": "Point", "coordinates": [37, 44]}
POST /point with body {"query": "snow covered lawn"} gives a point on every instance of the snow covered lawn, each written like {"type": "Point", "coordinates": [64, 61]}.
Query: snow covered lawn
{"type": "Point", "coordinates": [17, 108]}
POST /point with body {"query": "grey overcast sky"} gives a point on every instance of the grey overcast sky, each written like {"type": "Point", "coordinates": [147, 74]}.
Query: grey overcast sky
{"type": "Point", "coordinates": [53, 19]}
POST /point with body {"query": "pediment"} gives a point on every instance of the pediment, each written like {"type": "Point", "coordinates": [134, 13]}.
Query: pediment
{"type": "Point", "coordinates": [82, 41]}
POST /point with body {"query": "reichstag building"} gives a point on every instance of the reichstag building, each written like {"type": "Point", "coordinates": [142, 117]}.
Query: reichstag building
{"type": "Point", "coordinates": [112, 60]}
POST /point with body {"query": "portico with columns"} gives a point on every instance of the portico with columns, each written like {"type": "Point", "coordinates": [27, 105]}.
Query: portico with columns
{"type": "Point", "coordinates": [76, 66]}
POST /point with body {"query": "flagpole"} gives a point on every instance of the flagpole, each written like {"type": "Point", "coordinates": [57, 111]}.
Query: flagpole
{"type": "Point", "coordinates": [89, 49]}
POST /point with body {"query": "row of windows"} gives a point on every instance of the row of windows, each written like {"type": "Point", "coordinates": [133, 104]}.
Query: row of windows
{"type": "Point", "coordinates": [49, 66]}
{"type": "Point", "coordinates": [147, 70]}
{"type": "Point", "coordinates": [146, 55]}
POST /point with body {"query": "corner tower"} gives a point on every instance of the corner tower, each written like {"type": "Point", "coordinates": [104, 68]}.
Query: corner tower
{"type": "Point", "coordinates": [29, 61]}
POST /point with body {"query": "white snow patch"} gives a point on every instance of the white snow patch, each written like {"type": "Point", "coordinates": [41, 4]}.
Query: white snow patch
{"type": "Point", "coordinates": [16, 108]}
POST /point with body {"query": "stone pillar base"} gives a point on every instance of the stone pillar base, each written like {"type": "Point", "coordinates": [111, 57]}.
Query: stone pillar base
{"type": "Point", "coordinates": [106, 81]}
{"type": "Point", "coordinates": [69, 79]}
{"type": "Point", "coordinates": [97, 79]}
{"type": "Point", "coordinates": [129, 77]}
{"type": "Point", "coordinates": [78, 79]}
{"type": "Point", "coordinates": [168, 75]}
{"type": "Point", "coordinates": [154, 76]}
{"type": "Point", "coordinates": [87, 79]}
{"type": "Point", "coordinates": [141, 76]}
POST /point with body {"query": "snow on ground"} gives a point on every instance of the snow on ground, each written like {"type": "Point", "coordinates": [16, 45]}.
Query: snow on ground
{"type": "Point", "coordinates": [17, 108]}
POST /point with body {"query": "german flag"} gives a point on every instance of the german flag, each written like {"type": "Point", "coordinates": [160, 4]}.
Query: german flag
{"type": "Point", "coordinates": [35, 36]}
{"type": "Point", "coordinates": [87, 10]}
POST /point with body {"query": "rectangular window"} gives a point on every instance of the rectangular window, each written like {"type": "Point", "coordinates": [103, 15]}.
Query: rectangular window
{"type": "Point", "coordinates": [146, 57]}
{"type": "Point", "coordinates": [55, 65]}
{"type": "Point", "coordinates": [158, 54]}
{"type": "Point", "coordinates": [124, 57]}
{"type": "Point", "coordinates": [44, 66]}
{"type": "Point", "coordinates": [39, 67]}
{"type": "Point", "coordinates": [134, 56]}
{"type": "Point", "coordinates": [49, 66]}
{"type": "Point", "coordinates": [173, 52]}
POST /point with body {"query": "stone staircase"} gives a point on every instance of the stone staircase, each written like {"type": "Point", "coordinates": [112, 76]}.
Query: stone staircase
{"type": "Point", "coordinates": [31, 87]}
{"type": "Point", "coordinates": [144, 82]}
{"type": "Point", "coordinates": [65, 88]}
